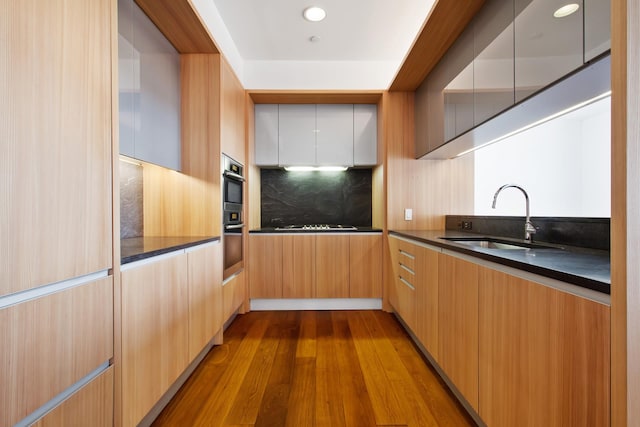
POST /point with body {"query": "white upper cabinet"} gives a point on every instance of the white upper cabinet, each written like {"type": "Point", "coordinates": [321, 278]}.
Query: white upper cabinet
{"type": "Point", "coordinates": [149, 90]}
{"type": "Point", "coordinates": [365, 134]}
{"type": "Point", "coordinates": [316, 135]}
{"type": "Point", "coordinates": [266, 134]}
{"type": "Point", "coordinates": [334, 136]}
{"type": "Point", "coordinates": [297, 135]}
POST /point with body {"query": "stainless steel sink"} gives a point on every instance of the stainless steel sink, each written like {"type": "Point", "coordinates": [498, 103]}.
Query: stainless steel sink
{"type": "Point", "coordinates": [317, 227]}
{"type": "Point", "coordinates": [491, 243]}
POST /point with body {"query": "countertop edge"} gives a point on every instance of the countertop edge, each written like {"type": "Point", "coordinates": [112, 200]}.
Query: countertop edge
{"type": "Point", "coordinates": [577, 280]}
{"type": "Point", "coordinates": [274, 231]}
{"type": "Point", "coordinates": [166, 249]}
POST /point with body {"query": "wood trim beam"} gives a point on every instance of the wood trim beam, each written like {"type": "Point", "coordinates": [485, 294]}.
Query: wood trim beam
{"type": "Point", "coordinates": [315, 97]}
{"type": "Point", "coordinates": [180, 24]}
{"type": "Point", "coordinates": [446, 21]}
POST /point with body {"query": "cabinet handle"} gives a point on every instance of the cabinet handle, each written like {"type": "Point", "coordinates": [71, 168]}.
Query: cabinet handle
{"type": "Point", "coordinates": [413, 273]}
{"type": "Point", "coordinates": [407, 283]}
{"type": "Point", "coordinates": [407, 254]}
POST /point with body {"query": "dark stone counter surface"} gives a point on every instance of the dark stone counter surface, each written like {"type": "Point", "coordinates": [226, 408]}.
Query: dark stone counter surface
{"type": "Point", "coordinates": [137, 248]}
{"type": "Point", "coordinates": [589, 268]}
{"type": "Point", "coordinates": [267, 230]}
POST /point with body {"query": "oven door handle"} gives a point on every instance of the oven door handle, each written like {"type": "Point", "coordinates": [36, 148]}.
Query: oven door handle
{"type": "Point", "coordinates": [233, 226]}
{"type": "Point", "coordinates": [232, 175]}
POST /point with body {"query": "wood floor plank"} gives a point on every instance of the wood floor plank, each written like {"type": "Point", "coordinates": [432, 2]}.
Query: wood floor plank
{"type": "Point", "coordinates": [307, 340]}
{"type": "Point", "coordinates": [301, 406]}
{"type": "Point", "coordinates": [445, 409]}
{"type": "Point", "coordinates": [358, 410]}
{"type": "Point", "coordinates": [329, 400]}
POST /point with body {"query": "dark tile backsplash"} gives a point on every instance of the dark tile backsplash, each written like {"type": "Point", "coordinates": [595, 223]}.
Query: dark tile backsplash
{"type": "Point", "coordinates": [581, 232]}
{"type": "Point", "coordinates": [131, 207]}
{"type": "Point", "coordinates": [289, 198]}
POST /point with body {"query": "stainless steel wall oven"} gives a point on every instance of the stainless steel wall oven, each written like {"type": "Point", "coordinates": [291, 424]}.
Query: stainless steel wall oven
{"type": "Point", "coordinates": [232, 221]}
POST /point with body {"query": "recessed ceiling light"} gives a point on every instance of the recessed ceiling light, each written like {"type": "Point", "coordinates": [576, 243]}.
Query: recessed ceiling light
{"type": "Point", "coordinates": [566, 10]}
{"type": "Point", "coordinates": [314, 14]}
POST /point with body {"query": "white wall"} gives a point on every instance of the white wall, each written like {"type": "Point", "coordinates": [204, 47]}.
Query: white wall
{"type": "Point", "coordinates": [564, 165]}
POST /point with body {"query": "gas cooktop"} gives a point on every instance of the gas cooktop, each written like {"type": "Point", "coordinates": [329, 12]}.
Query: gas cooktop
{"type": "Point", "coordinates": [317, 227]}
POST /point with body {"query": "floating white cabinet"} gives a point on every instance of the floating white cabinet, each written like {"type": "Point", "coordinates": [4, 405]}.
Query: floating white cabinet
{"type": "Point", "coordinates": [315, 135]}
{"type": "Point", "coordinates": [365, 134]}
{"type": "Point", "coordinates": [149, 90]}
{"type": "Point", "coordinates": [266, 134]}
{"type": "Point", "coordinates": [297, 135]}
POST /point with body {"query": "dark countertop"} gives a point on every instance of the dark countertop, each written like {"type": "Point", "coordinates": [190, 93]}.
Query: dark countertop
{"type": "Point", "coordinates": [271, 230]}
{"type": "Point", "coordinates": [589, 268]}
{"type": "Point", "coordinates": [137, 248]}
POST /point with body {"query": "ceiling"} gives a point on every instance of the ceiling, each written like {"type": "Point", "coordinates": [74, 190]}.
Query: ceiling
{"type": "Point", "coordinates": [361, 43]}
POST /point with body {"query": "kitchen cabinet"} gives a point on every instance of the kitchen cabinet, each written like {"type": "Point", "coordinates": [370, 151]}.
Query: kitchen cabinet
{"type": "Point", "coordinates": [597, 28]}
{"type": "Point", "coordinates": [546, 48]}
{"type": "Point", "coordinates": [458, 324]}
{"type": "Point", "coordinates": [299, 266]}
{"type": "Point", "coordinates": [205, 295]}
{"type": "Point", "coordinates": [544, 354]}
{"type": "Point", "coordinates": [90, 405]}
{"type": "Point", "coordinates": [332, 266]}
{"type": "Point", "coordinates": [315, 135]}
{"type": "Point", "coordinates": [148, 90]}
{"type": "Point", "coordinates": [51, 343]}
{"type": "Point", "coordinates": [155, 332]}
{"type": "Point", "coordinates": [55, 155]}
{"type": "Point", "coordinates": [232, 114]}
{"type": "Point", "coordinates": [265, 265]}
{"type": "Point", "coordinates": [365, 266]}
{"type": "Point", "coordinates": [365, 134]}
{"type": "Point", "coordinates": [297, 135]}
{"type": "Point", "coordinates": [266, 135]}
{"type": "Point", "coordinates": [458, 93]}
{"type": "Point", "coordinates": [233, 295]}
{"type": "Point", "coordinates": [493, 63]}
{"type": "Point", "coordinates": [403, 295]}
{"type": "Point", "coordinates": [334, 135]}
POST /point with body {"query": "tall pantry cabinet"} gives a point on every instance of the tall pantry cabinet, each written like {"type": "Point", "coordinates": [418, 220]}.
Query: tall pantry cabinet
{"type": "Point", "coordinates": [56, 291]}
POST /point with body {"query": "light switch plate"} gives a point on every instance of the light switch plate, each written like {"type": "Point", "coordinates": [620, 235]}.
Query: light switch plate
{"type": "Point", "coordinates": [408, 214]}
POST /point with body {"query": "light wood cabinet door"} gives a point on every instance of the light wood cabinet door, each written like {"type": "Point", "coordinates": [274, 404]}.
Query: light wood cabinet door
{"type": "Point", "coordinates": [205, 296]}
{"type": "Point", "coordinates": [299, 266]}
{"type": "Point", "coordinates": [544, 355]}
{"type": "Point", "coordinates": [233, 293]}
{"type": "Point", "coordinates": [155, 329]}
{"type": "Point", "coordinates": [50, 343]}
{"type": "Point", "coordinates": [427, 299]}
{"type": "Point", "coordinates": [332, 266]}
{"type": "Point", "coordinates": [55, 154]}
{"type": "Point", "coordinates": [232, 108]}
{"type": "Point", "coordinates": [458, 324]}
{"type": "Point", "coordinates": [403, 300]}
{"type": "Point", "coordinates": [365, 266]}
{"type": "Point", "coordinates": [265, 265]}
{"type": "Point", "coordinates": [92, 405]}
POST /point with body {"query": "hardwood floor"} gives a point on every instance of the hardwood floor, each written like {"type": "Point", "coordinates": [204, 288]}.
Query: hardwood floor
{"type": "Point", "coordinates": [314, 368]}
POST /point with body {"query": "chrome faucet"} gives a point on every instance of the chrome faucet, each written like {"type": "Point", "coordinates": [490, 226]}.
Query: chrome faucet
{"type": "Point", "coordinates": [529, 229]}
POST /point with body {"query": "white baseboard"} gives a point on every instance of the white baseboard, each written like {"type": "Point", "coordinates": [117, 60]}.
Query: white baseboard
{"type": "Point", "coordinates": [316, 304]}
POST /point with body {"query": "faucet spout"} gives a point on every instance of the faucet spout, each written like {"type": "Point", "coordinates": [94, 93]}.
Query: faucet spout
{"type": "Point", "coordinates": [529, 228]}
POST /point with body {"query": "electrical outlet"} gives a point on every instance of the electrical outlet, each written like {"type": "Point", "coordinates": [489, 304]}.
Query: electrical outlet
{"type": "Point", "coordinates": [408, 214]}
{"type": "Point", "coordinates": [467, 225]}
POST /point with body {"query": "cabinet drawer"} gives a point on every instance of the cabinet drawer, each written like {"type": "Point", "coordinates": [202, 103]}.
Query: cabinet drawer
{"type": "Point", "coordinates": [407, 255]}
{"type": "Point", "coordinates": [51, 343]}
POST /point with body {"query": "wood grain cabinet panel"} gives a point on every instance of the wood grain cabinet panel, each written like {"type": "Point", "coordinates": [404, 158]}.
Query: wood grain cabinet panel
{"type": "Point", "coordinates": [365, 266]}
{"type": "Point", "coordinates": [265, 265]}
{"type": "Point", "coordinates": [403, 295]}
{"type": "Point", "coordinates": [155, 329]}
{"type": "Point", "coordinates": [55, 128]}
{"type": "Point", "coordinates": [205, 296]}
{"type": "Point", "coordinates": [233, 293]}
{"type": "Point", "coordinates": [332, 266]}
{"type": "Point", "coordinates": [51, 343]}
{"type": "Point", "coordinates": [232, 117]}
{"type": "Point", "coordinates": [427, 299]}
{"type": "Point", "coordinates": [458, 324]}
{"type": "Point", "coordinates": [299, 266]}
{"type": "Point", "coordinates": [92, 405]}
{"type": "Point", "coordinates": [544, 355]}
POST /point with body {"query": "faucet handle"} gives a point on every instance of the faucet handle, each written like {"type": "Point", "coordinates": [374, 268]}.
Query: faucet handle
{"type": "Point", "coordinates": [530, 228]}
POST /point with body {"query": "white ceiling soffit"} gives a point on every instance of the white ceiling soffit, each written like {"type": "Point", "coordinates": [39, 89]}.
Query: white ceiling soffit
{"type": "Point", "coordinates": [360, 45]}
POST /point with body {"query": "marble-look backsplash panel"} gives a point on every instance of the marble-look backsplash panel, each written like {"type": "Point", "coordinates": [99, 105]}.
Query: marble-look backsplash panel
{"type": "Point", "coordinates": [131, 207]}
{"type": "Point", "coordinates": [289, 198]}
